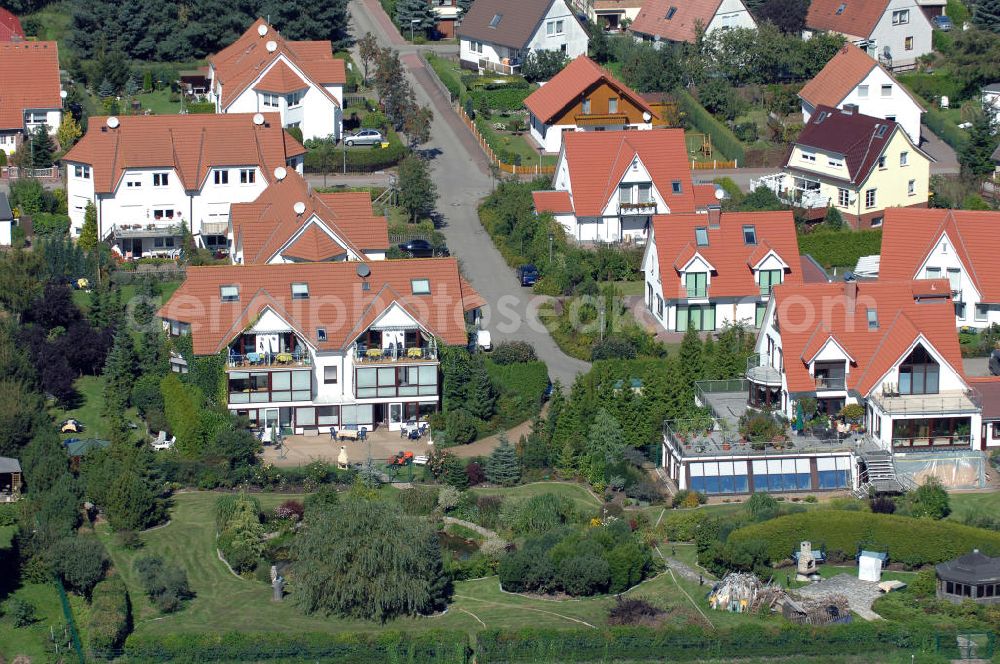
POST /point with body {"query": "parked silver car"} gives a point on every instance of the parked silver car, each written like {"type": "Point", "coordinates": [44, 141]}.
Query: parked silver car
{"type": "Point", "coordinates": [364, 137]}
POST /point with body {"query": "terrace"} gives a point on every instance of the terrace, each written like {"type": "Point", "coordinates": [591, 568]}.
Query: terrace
{"type": "Point", "coordinates": [716, 437]}
{"type": "Point", "coordinates": [792, 190]}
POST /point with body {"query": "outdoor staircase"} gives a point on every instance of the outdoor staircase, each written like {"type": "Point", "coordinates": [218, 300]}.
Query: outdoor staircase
{"type": "Point", "coordinates": [882, 477]}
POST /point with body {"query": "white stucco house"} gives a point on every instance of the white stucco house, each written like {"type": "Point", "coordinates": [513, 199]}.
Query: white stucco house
{"type": "Point", "coordinates": [315, 347]}
{"type": "Point", "coordinates": [853, 77]}
{"type": "Point", "coordinates": [956, 245]}
{"type": "Point", "coordinates": [706, 271]}
{"type": "Point", "coordinates": [497, 35]}
{"type": "Point", "coordinates": [662, 21]}
{"type": "Point", "coordinates": [148, 176]}
{"type": "Point", "coordinates": [608, 184]}
{"type": "Point", "coordinates": [31, 94]}
{"type": "Point", "coordinates": [897, 32]}
{"type": "Point", "coordinates": [262, 72]}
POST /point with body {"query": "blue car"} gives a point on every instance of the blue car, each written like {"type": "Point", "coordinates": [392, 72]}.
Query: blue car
{"type": "Point", "coordinates": [942, 23]}
{"type": "Point", "coordinates": [527, 275]}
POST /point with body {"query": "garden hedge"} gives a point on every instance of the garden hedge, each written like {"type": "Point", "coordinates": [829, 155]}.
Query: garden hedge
{"type": "Point", "coordinates": [939, 123]}
{"type": "Point", "coordinates": [913, 542]}
{"type": "Point", "coordinates": [445, 73]}
{"type": "Point", "coordinates": [108, 621]}
{"type": "Point", "coordinates": [696, 644]}
{"type": "Point", "coordinates": [502, 99]}
{"type": "Point", "coordinates": [723, 139]}
{"type": "Point", "coordinates": [841, 248]}
{"type": "Point", "coordinates": [521, 386]}
{"type": "Point", "coordinates": [434, 647]}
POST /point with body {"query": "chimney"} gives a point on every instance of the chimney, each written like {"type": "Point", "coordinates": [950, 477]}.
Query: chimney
{"type": "Point", "coordinates": [714, 216]}
{"type": "Point", "coordinates": [849, 109]}
{"type": "Point", "coordinates": [851, 291]}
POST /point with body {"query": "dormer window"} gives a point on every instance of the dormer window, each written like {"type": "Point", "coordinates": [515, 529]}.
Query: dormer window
{"type": "Point", "coordinates": [919, 373]}
{"type": "Point", "coordinates": [300, 291]}
{"type": "Point", "coordinates": [750, 235]}
{"type": "Point", "coordinates": [872, 319]}
{"type": "Point", "coordinates": [701, 237]}
{"type": "Point", "coordinates": [495, 21]}
{"type": "Point", "coordinates": [229, 293]}
{"type": "Point", "coordinates": [420, 286]}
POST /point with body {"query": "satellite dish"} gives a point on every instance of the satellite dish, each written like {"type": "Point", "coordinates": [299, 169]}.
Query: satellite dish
{"type": "Point", "coordinates": [280, 173]}
{"type": "Point", "coordinates": [63, 94]}
{"type": "Point", "coordinates": [262, 30]}
{"type": "Point", "coordinates": [364, 270]}
{"type": "Point", "coordinates": [299, 207]}
{"type": "Point", "coordinates": [258, 118]}
{"type": "Point", "coordinates": [271, 46]}
{"type": "Point", "coordinates": [646, 117]}
{"type": "Point", "coordinates": [719, 193]}
{"type": "Point", "coordinates": [112, 122]}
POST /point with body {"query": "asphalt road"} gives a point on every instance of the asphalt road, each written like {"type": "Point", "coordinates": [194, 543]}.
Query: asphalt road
{"type": "Point", "coordinates": [460, 172]}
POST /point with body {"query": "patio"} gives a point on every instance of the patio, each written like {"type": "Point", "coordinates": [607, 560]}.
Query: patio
{"type": "Point", "coordinates": [300, 450]}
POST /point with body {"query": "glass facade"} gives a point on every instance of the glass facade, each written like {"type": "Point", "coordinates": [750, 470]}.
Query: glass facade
{"type": "Point", "coordinates": [713, 477]}
{"type": "Point", "coordinates": [396, 381]}
{"type": "Point", "coordinates": [269, 386]}
{"type": "Point", "coordinates": [833, 473]}
{"type": "Point", "coordinates": [782, 475]}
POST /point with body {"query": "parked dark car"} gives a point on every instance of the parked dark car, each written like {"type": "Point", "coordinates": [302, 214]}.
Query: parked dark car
{"type": "Point", "coordinates": [422, 249]}
{"type": "Point", "coordinates": [547, 394]}
{"type": "Point", "coordinates": [527, 275]}
{"type": "Point", "coordinates": [942, 23]}
{"type": "Point", "coordinates": [995, 363]}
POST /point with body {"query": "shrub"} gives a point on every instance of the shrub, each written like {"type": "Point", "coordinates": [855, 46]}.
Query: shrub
{"type": "Point", "coordinates": [632, 611]}
{"type": "Point", "coordinates": [942, 126]}
{"type": "Point", "coordinates": [240, 531]}
{"type": "Point", "coordinates": [929, 500]}
{"type": "Point", "coordinates": [513, 352]}
{"type": "Point", "coordinates": [47, 224]}
{"type": "Point", "coordinates": [448, 498]}
{"type": "Point", "coordinates": [461, 427]}
{"type": "Point", "coordinates": [681, 526]}
{"type": "Point", "coordinates": [503, 99]}
{"type": "Point", "coordinates": [882, 505]}
{"type": "Point", "coordinates": [165, 583]}
{"type": "Point", "coordinates": [760, 504]}
{"type": "Point", "coordinates": [204, 107]}
{"type": "Point", "coordinates": [21, 613]}
{"type": "Point", "coordinates": [538, 514]}
{"type": "Point", "coordinates": [109, 620]}
{"type": "Point", "coordinates": [688, 498]}
{"type": "Point", "coordinates": [913, 542]}
{"type": "Point", "coordinates": [474, 471]}
{"type": "Point", "coordinates": [419, 501]}
{"type": "Point", "coordinates": [840, 248]}
{"type": "Point", "coordinates": [584, 575]}
{"type": "Point", "coordinates": [290, 509]}
{"type": "Point", "coordinates": [80, 562]}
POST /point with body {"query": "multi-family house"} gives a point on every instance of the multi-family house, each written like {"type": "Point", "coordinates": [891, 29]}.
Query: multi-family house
{"type": "Point", "coordinates": [897, 32]}
{"type": "Point", "coordinates": [608, 184]}
{"type": "Point", "coordinates": [853, 77]}
{"type": "Point", "coordinates": [262, 72]}
{"type": "Point", "coordinates": [497, 35]}
{"type": "Point", "coordinates": [707, 271]}
{"type": "Point", "coordinates": [887, 349]}
{"type": "Point", "coordinates": [584, 97]}
{"type": "Point", "coordinates": [662, 21]}
{"type": "Point", "coordinates": [31, 96]}
{"type": "Point", "coordinates": [956, 245]}
{"type": "Point", "coordinates": [290, 223]}
{"type": "Point", "coordinates": [150, 176]}
{"type": "Point", "coordinates": [858, 164]}
{"type": "Point", "coordinates": [318, 346]}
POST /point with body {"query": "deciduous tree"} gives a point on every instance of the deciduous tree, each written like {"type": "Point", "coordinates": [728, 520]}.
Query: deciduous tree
{"type": "Point", "coordinates": [417, 190]}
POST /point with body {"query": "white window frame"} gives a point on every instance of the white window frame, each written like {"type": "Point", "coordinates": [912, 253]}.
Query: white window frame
{"type": "Point", "coordinates": [904, 158]}
{"type": "Point", "coordinates": [300, 291]}
{"type": "Point", "coordinates": [269, 100]}
{"type": "Point", "coordinates": [911, 188]}
{"type": "Point", "coordinates": [161, 179]}
{"type": "Point", "coordinates": [843, 197]}
{"type": "Point", "coordinates": [612, 105]}
{"type": "Point", "coordinates": [420, 286]}
{"type": "Point", "coordinates": [327, 380]}
{"type": "Point", "coordinates": [133, 181]}
{"type": "Point", "coordinates": [220, 176]}
{"type": "Point", "coordinates": [248, 175]}
{"type": "Point", "coordinates": [229, 293]}
{"type": "Point", "coordinates": [871, 198]}
{"type": "Point", "coordinates": [886, 90]}
{"type": "Point", "coordinates": [809, 156]}
{"type": "Point", "coordinates": [294, 99]}
{"type": "Point", "coordinates": [901, 17]}
{"type": "Point", "coordinates": [863, 91]}
{"type": "Point", "coordinates": [834, 162]}
{"type": "Point", "coordinates": [81, 171]}
{"type": "Point", "coordinates": [984, 308]}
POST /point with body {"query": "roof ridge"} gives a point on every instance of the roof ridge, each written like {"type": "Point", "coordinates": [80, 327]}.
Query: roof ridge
{"type": "Point", "coordinates": [971, 268]}
{"type": "Point", "coordinates": [900, 315]}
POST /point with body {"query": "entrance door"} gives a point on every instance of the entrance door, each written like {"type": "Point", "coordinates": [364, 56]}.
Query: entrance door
{"type": "Point", "coordinates": [271, 426]}
{"type": "Point", "coordinates": [395, 416]}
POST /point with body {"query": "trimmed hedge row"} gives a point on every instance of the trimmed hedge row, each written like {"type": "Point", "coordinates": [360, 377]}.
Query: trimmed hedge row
{"type": "Point", "coordinates": [841, 248]}
{"type": "Point", "coordinates": [695, 643]}
{"type": "Point", "coordinates": [447, 76]}
{"type": "Point", "coordinates": [521, 386]}
{"type": "Point", "coordinates": [723, 139]}
{"type": "Point", "coordinates": [434, 647]}
{"type": "Point", "coordinates": [944, 128]}
{"type": "Point", "coordinates": [931, 86]}
{"type": "Point", "coordinates": [375, 158]}
{"type": "Point", "coordinates": [108, 622]}
{"type": "Point", "coordinates": [913, 542]}
{"type": "Point", "coordinates": [502, 99]}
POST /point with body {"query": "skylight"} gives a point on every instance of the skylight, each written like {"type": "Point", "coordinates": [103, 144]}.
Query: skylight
{"type": "Point", "coordinates": [496, 20]}
{"type": "Point", "coordinates": [841, 8]}
{"type": "Point", "coordinates": [701, 236]}
{"type": "Point", "coordinates": [300, 291]}
{"type": "Point", "coordinates": [880, 130]}
{"type": "Point", "coordinates": [671, 12]}
{"type": "Point", "coordinates": [321, 334]}
{"type": "Point", "coordinates": [749, 235]}
{"type": "Point", "coordinates": [823, 115]}
{"type": "Point", "coordinates": [229, 293]}
{"type": "Point", "coordinates": [872, 319]}
{"type": "Point", "coordinates": [420, 286]}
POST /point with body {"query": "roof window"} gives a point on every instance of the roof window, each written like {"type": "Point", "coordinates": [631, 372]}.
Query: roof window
{"type": "Point", "coordinates": [321, 334]}
{"type": "Point", "coordinates": [872, 319]}
{"type": "Point", "coordinates": [496, 20]}
{"type": "Point", "coordinates": [823, 115]}
{"type": "Point", "coordinates": [300, 291]}
{"type": "Point", "coordinates": [671, 12]}
{"type": "Point", "coordinates": [229, 293]}
{"type": "Point", "coordinates": [880, 130]}
{"type": "Point", "coordinates": [841, 8]}
{"type": "Point", "coordinates": [420, 286]}
{"type": "Point", "coordinates": [701, 236]}
{"type": "Point", "coordinates": [749, 235]}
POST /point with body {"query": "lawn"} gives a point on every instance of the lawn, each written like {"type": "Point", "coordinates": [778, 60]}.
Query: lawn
{"type": "Point", "coordinates": [225, 602]}
{"type": "Point", "coordinates": [972, 504]}
{"type": "Point", "coordinates": [91, 410]}
{"type": "Point", "coordinates": [82, 298]}
{"type": "Point", "coordinates": [515, 144]}
{"type": "Point", "coordinates": [575, 492]}
{"type": "Point", "coordinates": [630, 288]}
{"type": "Point", "coordinates": [33, 640]}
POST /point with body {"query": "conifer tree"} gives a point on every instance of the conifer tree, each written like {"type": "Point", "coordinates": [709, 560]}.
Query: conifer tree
{"type": "Point", "coordinates": [416, 16]}
{"type": "Point", "coordinates": [119, 374]}
{"type": "Point", "coordinates": [503, 466]}
{"type": "Point", "coordinates": [88, 234]}
{"type": "Point", "coordinates": [482, 398]}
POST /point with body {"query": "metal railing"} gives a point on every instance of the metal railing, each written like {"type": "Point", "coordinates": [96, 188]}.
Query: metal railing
{"type": "Point", "coordinates": [642, 207]}
{"type": "Point", "coordinates": [777, 182]}
{"type": "Point", "coordinates": [931, 443]}
{"type": "Point", "coordinates": [703, 387]}
{"type": "Point", "coordinates": [270, 360]}
{"type": "Point", "coordinates": [146, 230]}
{"type": "Point", "coordinates": [954, 401]}
{"type": "Point", "coordinates": [831, 383]}
{"type": "Point", "coordinates": [508, 69]}
{"type": "Point", "coordinates": [395, 354]}
{"type": "Point", "coordinates": [687, 441]}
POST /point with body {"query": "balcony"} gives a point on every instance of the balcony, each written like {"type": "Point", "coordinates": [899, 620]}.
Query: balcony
{"type": "Point", "coordinates": [120, 231]}
{"type": "Point", "coordinates": [600, 119]}
{"type": "Point", "coordinates": [269, 360]}
{"type": "Point", "coordinates": [932, 443]}
{"type": "Point", "coordinates": [790, 191]}
{"type": "Point", "coordinates": [508, 67]}
{"type": "Point", "coordinates": [395, 354]}
{"type": "Point", "coordinates": [828, 383]}
{"type": "Point", "coordinates": [640, 208]}
{"type": "Point", "coordinates": [950, 402]}
{"type": "Point", "coordinates": [709, 437]}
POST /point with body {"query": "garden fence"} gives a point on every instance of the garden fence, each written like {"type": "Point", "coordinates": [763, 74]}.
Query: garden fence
{"type": "Point", "coordinates": [68, 614]}
{"type": "Point", "coordinates": [492, 156]}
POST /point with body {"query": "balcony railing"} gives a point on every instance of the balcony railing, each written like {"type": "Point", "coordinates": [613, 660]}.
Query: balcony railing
{"type": "Point", "coordinates": [696, 292]}
{"type": "Point", "coordinates": [950, 402]}
{"type": "Point", "coordinates": [766, 289]}
{"type": "Point", "coordinates": [509, 68]}
{"type": "Point", "coordinates": [598, 119]}
{"type": "Point", "coordinates": [146, 230]}
{"type": "Point", "coordinates": [642, 207]}
{"type": "Point", "coordinates": [694, 438]}
{"type": "Point", "coordinates": [830, 383]}
{"type": "Point", "coordinates": [782, 184]}
{"type": "Point", "coordinates": [395, 354]}
{"type": "Point", "coordinates": [931, 443]}
{"type": "Point", "coordinates": [270, 360]}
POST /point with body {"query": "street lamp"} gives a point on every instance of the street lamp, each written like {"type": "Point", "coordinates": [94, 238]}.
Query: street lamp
{"type": "Point", "coordinates": [551, 237]}
{"type": "Point", "coordinates": [413, 21]}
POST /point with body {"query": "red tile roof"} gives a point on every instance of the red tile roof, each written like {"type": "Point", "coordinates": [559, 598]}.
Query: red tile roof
{"type": "Point", "coordinates": [599, 159]}
{"type": "Point", "coordinates": [263, 227]}
{"type": "Point", "coordinates": [852, 134]}
{"type": "Point", "coordinates": [280, 79]}
{"type": "Point", "coordinates": [681, 26]}
{"type": "Point", "coordinates": [844, 72]}
{"type": "Point", "coordinates": [858, 17]}
{"type": "Point", "coordinates": [568, 86]}
{"type": "Point", "coordinates": [909, 235]}
{"type": "Point", "coordinates": [10, 27]}
{"type": "Point", "coordinates": [29, 79]}
{"type": "Point", "coordinates": [810, 314]}
{"type": "Point", "coordinates": [704, 195]}
{"type": "Point", "coordinates": [190, 144]}
{"type": "Point", "coordinates": [674, 235]}
{"type": "Point", "coordinates": [336, 300]}
{"type": "Point", "coordinates": [241, 63]}
{"type": "Point", "coordinates": [552, 201]}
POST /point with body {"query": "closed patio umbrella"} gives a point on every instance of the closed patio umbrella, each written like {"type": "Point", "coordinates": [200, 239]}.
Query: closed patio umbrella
{"type": "Point", "coordinates": [799, 417]}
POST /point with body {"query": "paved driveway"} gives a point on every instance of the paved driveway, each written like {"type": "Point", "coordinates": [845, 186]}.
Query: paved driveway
{"type": "Point", "coordinates": [460, 172]}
